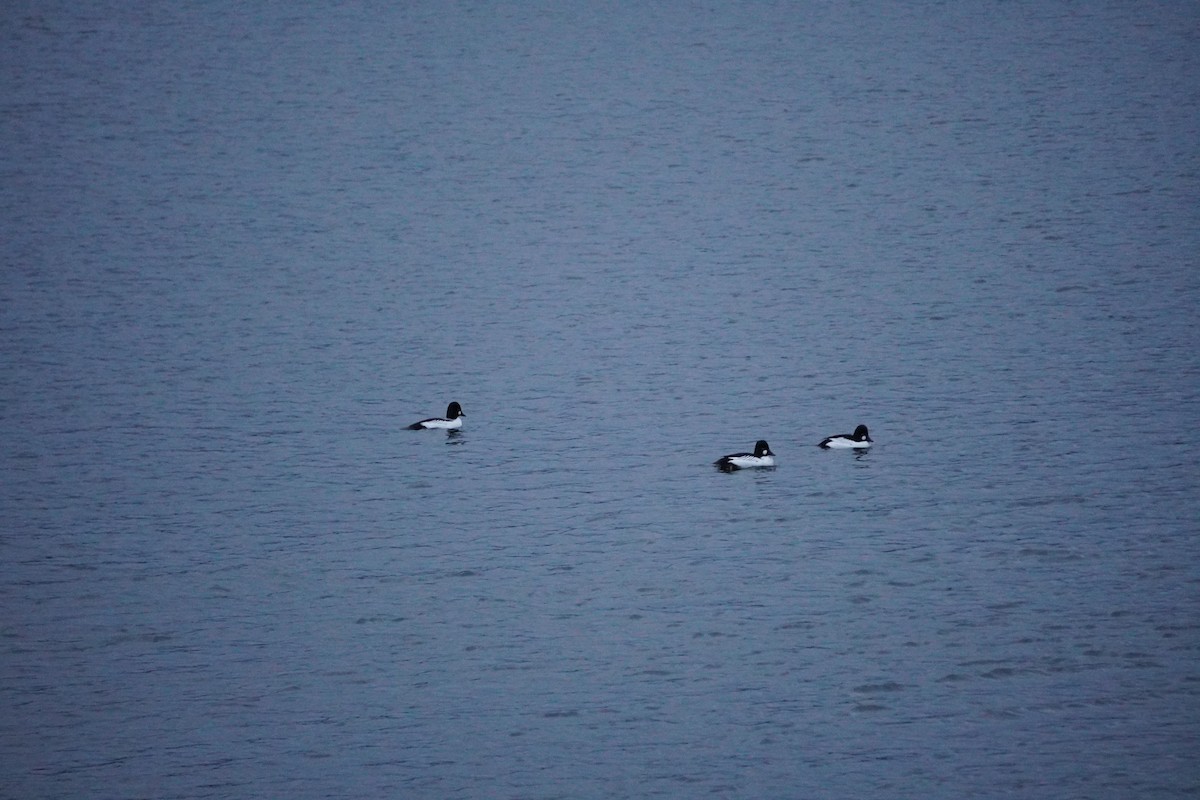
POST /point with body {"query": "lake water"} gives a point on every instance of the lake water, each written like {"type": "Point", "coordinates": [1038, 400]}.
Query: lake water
{"type": "Point", "coordinates": [245, 245]}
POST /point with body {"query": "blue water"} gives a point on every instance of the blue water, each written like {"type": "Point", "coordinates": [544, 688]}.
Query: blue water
{"type": "Point", "coordinates": [244, 246]}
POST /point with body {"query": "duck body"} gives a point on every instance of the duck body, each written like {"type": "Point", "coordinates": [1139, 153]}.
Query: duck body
{"type": "Point", "coordinates": [860, 439]}
{"type": "Point", "coordinates": [761, 457]}
{"type": "Point", "coordinates": [451, 422]}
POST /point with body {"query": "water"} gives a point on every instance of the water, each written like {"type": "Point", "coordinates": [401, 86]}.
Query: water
{"type": "Point", "coordinates": [245, 246]}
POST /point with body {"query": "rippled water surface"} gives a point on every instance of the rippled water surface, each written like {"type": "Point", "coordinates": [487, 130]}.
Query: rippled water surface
{"type": "Point", "coordinates": [246, 245]}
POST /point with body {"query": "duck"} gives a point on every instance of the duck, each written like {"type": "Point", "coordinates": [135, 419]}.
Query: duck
{"type": "Point", "coordinates": [451, 422]}
{"type": "Point", "coordinates": [859, 439]}
{"type": "Point", "coordinates": [761, 457]}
